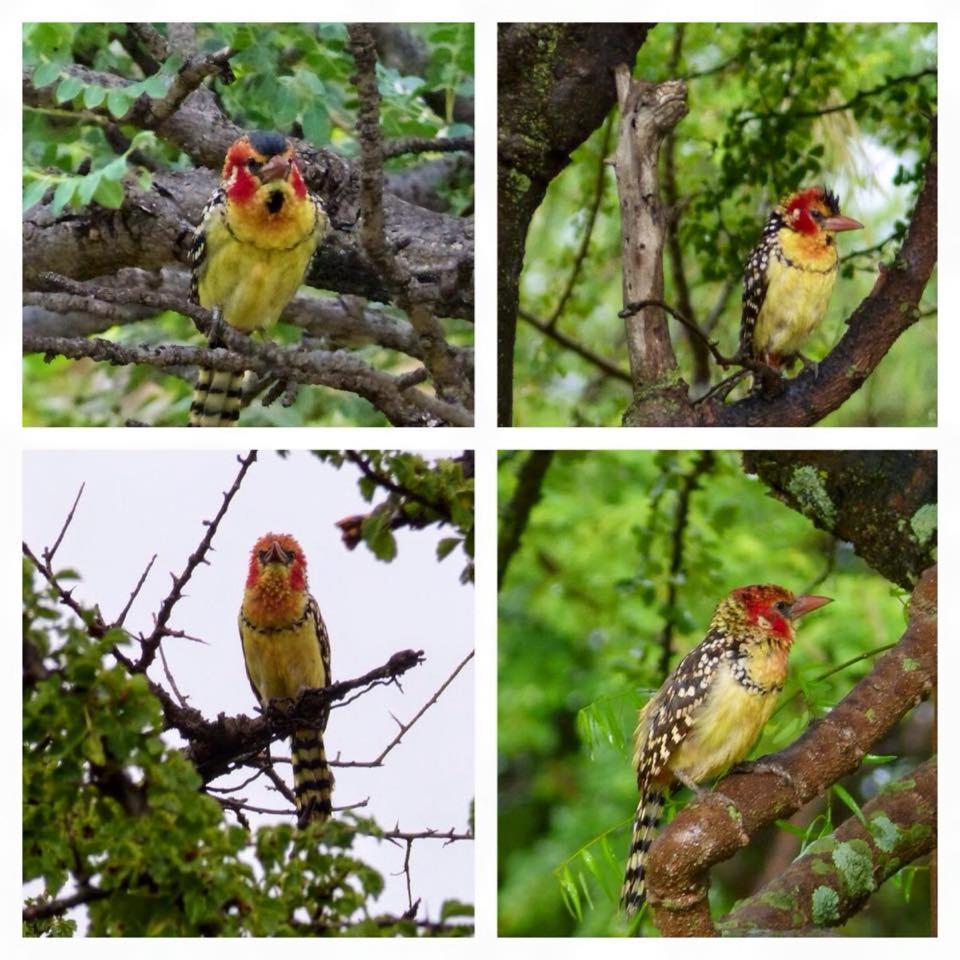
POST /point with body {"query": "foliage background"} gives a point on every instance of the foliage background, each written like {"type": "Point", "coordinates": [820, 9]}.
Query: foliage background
{"type": "Point", "coordinates": [582, 611]}
{"type": "Point", "coordinates": [727, 174]}
{"type": "Point", "coordinates": [290, 77]}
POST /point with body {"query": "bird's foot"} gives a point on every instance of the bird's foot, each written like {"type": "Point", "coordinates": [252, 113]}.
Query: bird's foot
{"type": "Point", "coordinates": [809, 364]}
{"type": "Point", "coordinates": [217, 327]}
{"type": "Point", "coordinates": [763, 765]}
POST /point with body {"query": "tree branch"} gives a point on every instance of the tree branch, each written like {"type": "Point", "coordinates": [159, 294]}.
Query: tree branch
{"type": "Point", "coordinates": [820, 889]}
{"type": "Point", "coordinates": [517, 512]}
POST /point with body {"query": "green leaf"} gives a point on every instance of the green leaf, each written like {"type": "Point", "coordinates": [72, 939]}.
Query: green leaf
{"type": "Point", "coordinates": [68, 88]}
{"type": "Point", "coordinates": [446, 546]}
{"type": "Point", "coordinates": [156, 86]}
{"type": "Point", "coordinates": [63, 194]}
{"type": "Point", "coordinates": [119, 101]}
{"type": "Point", "coordinates": [93, 95]}
{"type": "Point", "coordinates": [45, 74]}
{"type": "Point", "coordinates": [34, 192]}
{"type": "Point", "coordinates": [88, 187]}
{"type": "Point", "coordinates": [455, 908]}
{"type": "Point", "coordinates": [109, 193]}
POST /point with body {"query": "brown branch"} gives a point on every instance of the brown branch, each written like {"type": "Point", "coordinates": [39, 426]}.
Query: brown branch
{"type": "Point", "coordinates": [452, 380]}
{"type": "Point", "coordinates": [648, 112]}
{"type": "Point", "coordinates": [53, 908]}
{"type": "Point", "coordinates": [404, 145]}
{"type": "Point", "coordinates": [555, 88]}
{"type": "Point", "coordinates": [606, 366]}
{"type": "Point", "coordinates": [216, 746]}
{"type": "Point", "coordinates": [884, 503]}
{"type": "Point", "coordinates": [688, 483]}
{"type": "Point", "coordinates": [839, 107]}
{"type": "Point", "coordinates": [149, 645]}
{"type": "Point", "coordinates": [405, 727]}
{"type": "Point", "coordinates": [710, 830]}
{"type": "Point", "coordinates": [339, 370]}
{"type": "Point", "coordinates": [814, 891]}
{"type": "Point", "coordinates": [517, 512]}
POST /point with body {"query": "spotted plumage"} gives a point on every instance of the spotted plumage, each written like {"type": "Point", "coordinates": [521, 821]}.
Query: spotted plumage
{"type": "Point", "coordinates": [256, 237]}
{"type": "Point", "coordinates": [790, 275]}
{"type": "Point", "coordinates": [711, 709]}
{"type": "Point", "coordinates": [286, 650]}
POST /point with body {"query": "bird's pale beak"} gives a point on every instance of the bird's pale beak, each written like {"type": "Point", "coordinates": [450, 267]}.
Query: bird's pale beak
{"type": "Point", "coordinates": [276, 168]}
{"type": "Point", "coordinates": [838, 223]}
{"type": "Point", "coordinates": [806, 603]}
{"type": "Point", "coordinates": [276, 554]}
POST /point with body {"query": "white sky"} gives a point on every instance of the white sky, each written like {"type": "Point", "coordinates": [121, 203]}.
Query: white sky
{"type": "Point", "coordinates": [136, 504]}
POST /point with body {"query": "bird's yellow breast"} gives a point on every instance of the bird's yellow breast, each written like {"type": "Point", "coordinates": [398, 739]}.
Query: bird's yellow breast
{"type": "Point", "coordinates": [798, 292]}
{"type": "Point", "coordinates": [285, 662]}
{"type": "Point", "coordinates": [726, 727]}
{"type": "Point", "coordinates": [252, 274]}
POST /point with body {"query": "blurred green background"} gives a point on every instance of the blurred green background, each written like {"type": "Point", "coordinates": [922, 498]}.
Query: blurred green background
{"type": "Point", "coordinates": [583, 611]}
{"type": "Point", "coordinates": [764, 119]}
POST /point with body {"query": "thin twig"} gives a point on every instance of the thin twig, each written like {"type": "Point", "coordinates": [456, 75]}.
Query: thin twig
{"type": "Point", "coordinates": [149, 645]}
{"type": "Point", "coordinates": [133, 596]}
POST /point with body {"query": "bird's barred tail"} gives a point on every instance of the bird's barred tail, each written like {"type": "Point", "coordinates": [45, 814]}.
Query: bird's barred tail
{"type": "Point", "coordinates": [312, 778]}
{"type": "Point", "coordinates": [216, 399]}
{"type": "Point", "coordinates": [649, 809]}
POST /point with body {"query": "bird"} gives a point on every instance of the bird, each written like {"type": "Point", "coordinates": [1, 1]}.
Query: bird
{"type": "Point", "coordinates": [249, 255]}
{"type": "Point", "coordinates": [711, 708]}
{"type": "Point", "coordinates": [790, 275]}
{"type": "Point", "coordinates": [286, 650]}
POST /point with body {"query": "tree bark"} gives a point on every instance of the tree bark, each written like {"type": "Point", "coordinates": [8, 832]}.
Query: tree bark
{"type": "Point", "coordinates": [555, 88]}
{"type": "Point", "coordinates": [883, 502]}
{"type": "Point", "coordinates": [648, 113]}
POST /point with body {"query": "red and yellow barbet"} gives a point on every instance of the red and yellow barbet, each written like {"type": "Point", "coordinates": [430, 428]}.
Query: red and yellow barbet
{"type": "Point", "coordinates": [250, 253]}
{"type": "Point", "coordinates": [710, 710]}
{"type": "Point", "coordinates": [287, 650]}
{"type": "Point", "coordinates": [790, 275]}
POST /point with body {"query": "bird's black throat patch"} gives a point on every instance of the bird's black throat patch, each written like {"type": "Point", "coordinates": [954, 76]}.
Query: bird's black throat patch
{"type": "Point", "coordinates": [275, 201]}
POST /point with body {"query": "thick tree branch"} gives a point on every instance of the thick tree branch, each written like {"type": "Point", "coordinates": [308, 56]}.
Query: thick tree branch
{"type": "Point", "coordinates": [883, 502]}
{"type": "Point", "coordinates": [714, 828]}
{"type": "Point", "coordinates": [152, 227]}
{"type": "Point", "coordinates": [836, 875]}
{"type": "Point", "coordinates": [648, 113]}
{"type": "Point", "coordinates": [556, 87]}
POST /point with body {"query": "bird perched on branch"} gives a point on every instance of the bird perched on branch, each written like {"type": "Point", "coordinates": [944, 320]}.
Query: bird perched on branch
{"type": "Point", "coordinates": [286, 650]}
{"type": "Point", "coordinates": [710, 710]}
{"type": "Point", "coordinates": [789, 276]}
{"type": "Point", "coordinates": [249, 255]}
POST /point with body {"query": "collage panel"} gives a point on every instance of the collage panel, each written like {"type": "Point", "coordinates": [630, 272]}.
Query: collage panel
{"type": "Point", "coordinates": [717, 224]}
{"type": "Point", "coordinates": [268, 224]}
{"type": "Point", "coordinates": [247, 714]}
{"type": "Point", "coordinates": [714, 681]}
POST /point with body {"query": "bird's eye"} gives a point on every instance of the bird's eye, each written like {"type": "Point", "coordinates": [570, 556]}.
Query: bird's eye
{"type": "Point", "coordinates": [817, 215]}
{"type": "Point", "coordinates": [254, 165]}
{"type": "Point", "coordinates": [781, 606]}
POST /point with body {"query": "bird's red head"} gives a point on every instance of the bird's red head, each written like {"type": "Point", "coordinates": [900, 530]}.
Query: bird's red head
{"type": "Point", "coordinates": [816, 209]}
{"type": "Point", "coordinates": [773, 609]}
{"type": "Point", "coordinates": [257, 164]}
{"type": "Point", "coordinates": [277, 565]}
